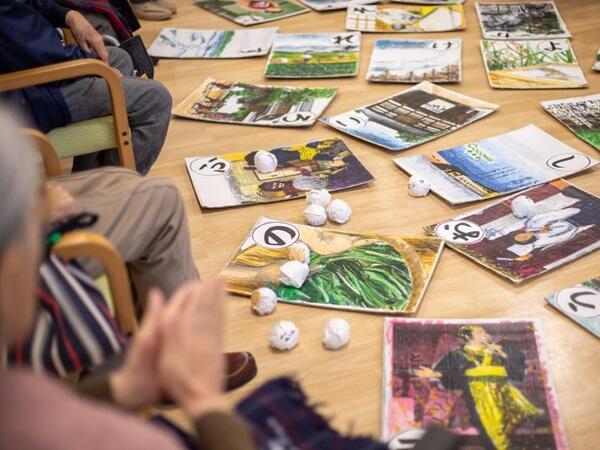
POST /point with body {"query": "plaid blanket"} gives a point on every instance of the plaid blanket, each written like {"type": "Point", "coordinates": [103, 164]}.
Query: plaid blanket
{"type": "Point", "coordinates": [281, 419]}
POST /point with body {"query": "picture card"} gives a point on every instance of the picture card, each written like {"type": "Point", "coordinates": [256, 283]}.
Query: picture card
{"type": "Point", "coordinates": [254, 104]}
{"type": "Point", "coordinates": [581, 115]}
{"type": "Point", "coordinates": [330, 5]}
{"type": "Point", "coordinates": [486, 380]}
{"type": "Point", "coordinates": [565, 226]}
{"type": "Point", "coordinates": [416, 60]}
{"type": "Point", "coordinates": [411, 117]}
{"type": "Point", "coordinates": [581, 304]}
{"type": "Point", "coordinates": [189, 43]}
{"type": "Point", "coordinates": [314, 55]}
{"type": "Point", "coordinates": [351, 271]}
{"type": "Point", "coordinates": [499, 165]}
{"type": "Point", "coordinates": [405, 18]}
{"type": "Point", "coordinates": [544, 64]}
{"type": "Point", "coordinates": [232, 179]}
{"type": "Point", "coordinates": [249, 12]}
{"type": "Point", "coordinates": [527, 20]}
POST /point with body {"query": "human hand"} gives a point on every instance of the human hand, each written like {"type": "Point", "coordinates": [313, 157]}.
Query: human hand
{"type": "Point", "coordinates": [191, 365]}
{"type": "Point", "coordinates": [85, 35]}
{"type": "Point", "coordinates": [495, 348]}
{"type": "Point", "coordinates": [60, 205]}
{"type": "Point", "coordinates": [136, 384]}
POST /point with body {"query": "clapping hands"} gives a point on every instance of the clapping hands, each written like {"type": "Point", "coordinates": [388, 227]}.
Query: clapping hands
{"type": "Point", "coordinates": [177, 351]}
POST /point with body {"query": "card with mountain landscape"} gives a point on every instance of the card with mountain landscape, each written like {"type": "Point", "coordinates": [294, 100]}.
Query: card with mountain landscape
{"type": "Point", "coordinates": [416, 60]}
{"type": "Point", "coordinates": [191, 43]}
{"type": "Point", "coordinates": [564, 226]}
{"type": "Point", "coordinates": [532, 64]}
{"type": "Point", "coordinates": [330, 5]}
{"type": "Point", "coordinates": [411, 117]}
{"type": "Point", "coordinates": [499, 165]}
{"type": "Point", "coordinates": [255, 104]}
{"type": "Point", "coordinates": [314, 55]}
{"type": "Point", "coordinates": [405, 18]}
{"type": "Point", "coordinates": [352, 271]}
{"type": "Point", "coordinates": [485, 380]}
{"type": "Point", "coordinates": [527, 20]}
{"type": "Point", "coordinates": [581, 304]}
{"type": "Point", "coordinates": [581, 115]}
{"type": "Point", "coordinates": [252, 12]}
{"type": "Point", "coordinates": [232, 179]}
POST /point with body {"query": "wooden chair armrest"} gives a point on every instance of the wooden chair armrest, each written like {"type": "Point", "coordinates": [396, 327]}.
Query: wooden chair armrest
{"type": "Point", "coordinates": [81, 68]}
{"type": "Point", "coordinates": [78, 244]}
{"type": "Point", "coordinates": [46, 150]}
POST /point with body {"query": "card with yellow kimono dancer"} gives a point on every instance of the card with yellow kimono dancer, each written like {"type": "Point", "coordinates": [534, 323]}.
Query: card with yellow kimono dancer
{"type": "Point", "coordinates": [485, 380]}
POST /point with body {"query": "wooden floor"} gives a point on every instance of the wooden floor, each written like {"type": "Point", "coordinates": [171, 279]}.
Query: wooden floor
{"type": "Point", "coordinates": [349, 382]}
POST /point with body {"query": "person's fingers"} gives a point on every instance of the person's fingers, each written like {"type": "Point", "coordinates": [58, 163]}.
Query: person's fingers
{"type": "Point", "coordinates": [98, 46]}
{"type": "Point", "coordinates": [155, 305]}
{"type": "Point", "coordinates": [176, 304]}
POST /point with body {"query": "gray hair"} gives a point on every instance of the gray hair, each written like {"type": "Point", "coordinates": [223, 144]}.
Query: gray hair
{"type": "Point", "coordinates": [19, 177]}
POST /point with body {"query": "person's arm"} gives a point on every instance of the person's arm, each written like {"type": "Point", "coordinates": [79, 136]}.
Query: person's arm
{"type": "Point", "coordinates": [28, 39]}
{"type": "Point", "coordinates": [216, 427]}
{"type": "Point", "coordinates": [52, 11]}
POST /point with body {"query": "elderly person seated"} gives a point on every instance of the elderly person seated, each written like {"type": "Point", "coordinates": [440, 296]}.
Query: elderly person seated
{"type": "Point", "coordinates": [176, 351]}
{"type": "Point", "coordinates": [28, 39]}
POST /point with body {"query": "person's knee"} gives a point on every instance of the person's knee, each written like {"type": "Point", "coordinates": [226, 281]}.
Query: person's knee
{"type": "Point", "coordinates": [120, 60]}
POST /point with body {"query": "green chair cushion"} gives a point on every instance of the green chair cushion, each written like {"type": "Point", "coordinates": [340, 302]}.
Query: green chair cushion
{"type": "Point", "coordinates": [81, 138]}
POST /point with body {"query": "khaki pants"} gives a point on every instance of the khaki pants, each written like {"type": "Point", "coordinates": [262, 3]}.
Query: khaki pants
{"type": "Point", "coordinates": [144, 219]}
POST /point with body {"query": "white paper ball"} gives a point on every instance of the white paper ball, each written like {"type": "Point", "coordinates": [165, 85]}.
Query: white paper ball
{"type": "Point", "coordinates": [339, 211]}
{"type": "Point", "coordinates": [294, 273]}
{"type": "Point", "coordinates": [263, 301]}
{"type": "Point", "coordinates": [336, 334]}
{"type": "Point", "coordinates": [265, 162]}
{"type": "Point", "coordinates": [299, 252]}
{"type": "Point", "coordinates": [522, 207]}
{"type": "Point", "coordinates": [315, 215]}
{"type": "Point", "coordinates": [418, 186]}
{"type": "Point", "coordinates": [284, 335]}
{"type": "Point", "coordinates": [320, 197]}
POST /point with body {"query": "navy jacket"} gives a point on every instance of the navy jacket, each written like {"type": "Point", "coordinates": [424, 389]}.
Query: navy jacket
{"type": "Point", "coordinates": [28, 39]}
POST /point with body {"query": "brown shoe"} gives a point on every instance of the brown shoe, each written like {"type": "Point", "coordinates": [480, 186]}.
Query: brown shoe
{"type": "Point", "coordinates": [150, 10]}
{"type": "Point", "coordinates": [240, 369]}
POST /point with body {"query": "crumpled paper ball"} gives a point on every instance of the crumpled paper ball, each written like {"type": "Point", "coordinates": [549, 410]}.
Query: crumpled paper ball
{"type": "Point", "coordinates": [263, 301]}
{"type": "Point", "coordinates": [299, 252]}
{"type": "Point", "coordinates": [284, 335]}
{"type": "Point", "coordinates": [339, 211]}
{"type": "Point", "coordinates": [265, 162]}
{"type": "Point", "coordinates": [320, 197]}
{"type": "Point", "coordinates": [294, 273]}
{"type": "Point", "coordinates": [522, 207]}
{"type": "Point", "coordinates": [418, 186]}
{"type": "Point", "coordinates": [315, 215]}
{"type": "Point", "coordinates": [336, 334]}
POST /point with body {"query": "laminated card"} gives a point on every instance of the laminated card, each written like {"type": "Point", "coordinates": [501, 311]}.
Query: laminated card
{"type": "Point", "coordinates": [527, 20]}
{"type": "Point", "coordinates": [255, 104]}
{"type": "Point", "coordinates": [232, 179]}
{"type": "Point", "coordinates": [314, 55]}
{"type": "Point", "coordinates": [411, 117]}
{"type": "Point", "coordinates": [581, 304]}
{"type": "Point", "coordinates": [564, 226]}
{"type": "Point", "coordinates": [352, 271]}
{"type": "Point", "coordinates": [543, 64]}
{"type": "Point", "coordinates": [581, 115]}
{"type": "Point", "coordinates": [486, 380]}
{"type": "Point", "coordinates": [416, 60]}
{"type": "Point", "coordinates": [405, 18]}
{"type": "Point", "coordinates": [498, 165]}
{"type": "Point", "coordinates": [252, 12]}
{"type": "Point", "coordinates": [190, 43]}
